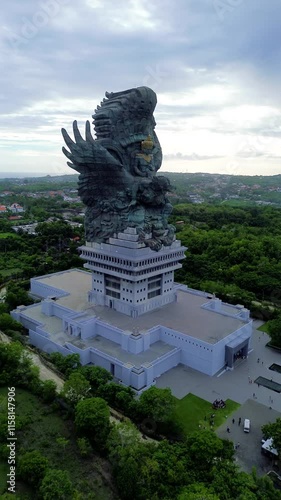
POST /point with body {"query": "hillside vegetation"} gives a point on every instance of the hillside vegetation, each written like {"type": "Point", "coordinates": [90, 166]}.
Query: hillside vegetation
{"type": "Point", "coordinates": [232, 252]}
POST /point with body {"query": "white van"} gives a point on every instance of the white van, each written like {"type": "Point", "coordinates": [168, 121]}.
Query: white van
{"type": "Point", "coordinates": [247, 425]}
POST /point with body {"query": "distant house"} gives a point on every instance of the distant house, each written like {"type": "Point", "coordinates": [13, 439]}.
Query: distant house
{"type": "Point", "coordinates": [16, 208]}
{"type": "Point", "coordinates": [15, 217]}
{"type": "Point", "coordinates": [52, 194]}
{"type": "Point", "coordinates": [3, 209]}
{"type": "Point", "coordinates": [26, 228]}
{"type": "Point", "coordinates": [71, 199]}
{"type": "Point", "coordinates": [6, 193]}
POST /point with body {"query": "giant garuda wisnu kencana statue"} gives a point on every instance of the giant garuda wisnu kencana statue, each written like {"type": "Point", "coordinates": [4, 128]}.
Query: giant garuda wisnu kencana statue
{"type": "Point", "coordinates": [117, 180]}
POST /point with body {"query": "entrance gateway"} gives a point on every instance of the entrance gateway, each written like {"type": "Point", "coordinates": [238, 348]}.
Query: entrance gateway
{"type": "Point", "coordinates": [237, 349]}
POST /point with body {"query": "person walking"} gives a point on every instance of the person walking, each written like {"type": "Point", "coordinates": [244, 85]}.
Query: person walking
{"type": "Point", "coordinates": [239, 421]}
{"type": "Point", "coordinates": [233, 420]}
{"type": "Point", "coordinates": [228, 430]}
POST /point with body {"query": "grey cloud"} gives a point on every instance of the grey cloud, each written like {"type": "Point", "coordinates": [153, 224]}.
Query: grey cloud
{"type": "Point", "coordinates": [192, 157]}
{"type": "Point", "coordinates": [194, 37]}
{"type": "Point", "coordinates": [81, 52]}
{"type": "Point", "coordinates": [250, 153]}
{"type": "Point", "coordinates": [255, 153]}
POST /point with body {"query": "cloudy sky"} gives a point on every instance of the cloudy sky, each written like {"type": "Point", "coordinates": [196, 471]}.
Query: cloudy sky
{"type": "Point", "coordinates": [215, 65]}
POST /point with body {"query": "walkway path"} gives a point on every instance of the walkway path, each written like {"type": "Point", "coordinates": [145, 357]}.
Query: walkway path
{"type": "Point", "coordinates": [47, 374]}
{"type": "Point", "coordinates": [44, 372]}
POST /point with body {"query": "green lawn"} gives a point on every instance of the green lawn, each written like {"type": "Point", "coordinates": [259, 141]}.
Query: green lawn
{"type": "Point", "coordinates": [8, 235]}
{"type": "Point", "coordinates": [194, 412]}
{"type": "Point", "coordinates": [263, 328]}
{"type": "Point", "coordinates": [39, 428]}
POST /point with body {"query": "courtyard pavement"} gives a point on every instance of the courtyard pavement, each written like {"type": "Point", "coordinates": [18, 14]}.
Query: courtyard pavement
{"type": "Point", "coordinates": [259, 404]}
{"type": "Point", "coordinates": [233, 384]}
{"type": "Point", "coordinates": [248, 454]}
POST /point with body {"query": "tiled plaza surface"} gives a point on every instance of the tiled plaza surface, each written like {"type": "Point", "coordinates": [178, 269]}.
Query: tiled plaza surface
{"type": "Point", "coordinates": [259, 404]}
{"type": "Point", "coordinates": [248, 454]}
{"type": "Point", "coordinates": [231, 384]}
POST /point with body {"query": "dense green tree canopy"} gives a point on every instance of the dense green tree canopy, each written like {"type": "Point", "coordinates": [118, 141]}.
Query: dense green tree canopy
{"type": "Point", "coordinates": [273, 431]}
{"type": "Point", "coordinates": [232, 252]}
{"type": "Point", "coordinates": [16, 366]}
{"type": "Point", "coordinates": [265, 489]}
{"type": "Point", "coordinates": [120, 397]}
{"type": "Point", "coordinates": [54, 231]}
{"type": "Point", "coordinates": [16, 295]}
{"type": "Point", "coordinates": [8, 323]}
{"type": "Point", "coordinates": [92, 421]}
{"type": "Point", "coordinates": [197, 492]}
{"type": "Point", "coordinates": [204, 448]}
{"type": "Point", "coordinates": [156, 409]}
{"type": "Point", "coordinates": [65, 364]}
{"type": "Point", "coordinates": [274, 331]}
{"type": "Point", "coordinates": [97, 376]}
{"type": "Point", "coordinates": [76, 388]}
{"type": "Point", "coordinates": [48, 391]}
{"type": "Point", "coordinates": [157, 404]}
{"type": "Point", "coordinates": [32, 467]}
{"type": "Point", "coordinates": [56, 485]}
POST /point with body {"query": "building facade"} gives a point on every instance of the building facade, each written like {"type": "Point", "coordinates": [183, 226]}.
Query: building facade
{"type": "Point", "coordinates": [128, 315]}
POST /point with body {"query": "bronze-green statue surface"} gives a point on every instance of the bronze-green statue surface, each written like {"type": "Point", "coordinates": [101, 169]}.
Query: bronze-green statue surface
{"type": "Point", "coordinates": [118, 181]}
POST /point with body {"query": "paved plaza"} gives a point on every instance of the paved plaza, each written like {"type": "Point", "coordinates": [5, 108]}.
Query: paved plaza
{"type": "Point", "coordinates": [233, 384]}
{"type": "Point", "coordinates": [260, 404]}
{"type": "Point", "coordinates": [248, 454]}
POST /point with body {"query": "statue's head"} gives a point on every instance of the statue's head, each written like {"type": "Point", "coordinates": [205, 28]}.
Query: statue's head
{"type": "Point", "coordinates": [126, 113]}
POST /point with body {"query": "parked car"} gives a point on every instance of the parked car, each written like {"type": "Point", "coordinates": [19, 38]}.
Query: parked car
{"type": "Point", "coordinates": [247, 425]}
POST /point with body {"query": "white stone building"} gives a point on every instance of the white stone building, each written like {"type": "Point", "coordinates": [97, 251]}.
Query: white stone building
{"type": "Point", "coordinates": [130, 317]}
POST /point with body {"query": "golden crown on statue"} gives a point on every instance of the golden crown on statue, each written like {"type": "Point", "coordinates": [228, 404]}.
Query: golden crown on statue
{"type": "Point", "coordinates": [147, 143]}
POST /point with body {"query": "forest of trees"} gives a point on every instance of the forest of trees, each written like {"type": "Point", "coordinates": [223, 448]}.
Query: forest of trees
{"type": "Point", "coordinates": [193, 467]}
{"type": "Point", "coordinates": [35, 184]}
{"type": "Point", "coordinates": [232, 252]}
{"type": "Point", "coordinates": [53, 248]}
{"type": "Point", "coordinates": [236, 254]}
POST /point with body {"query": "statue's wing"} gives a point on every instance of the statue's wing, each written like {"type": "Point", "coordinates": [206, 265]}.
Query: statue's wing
{"type": "Point", "coordinates": [100, 171]}
{"type": "Point", "coordinates": [87, 155]}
